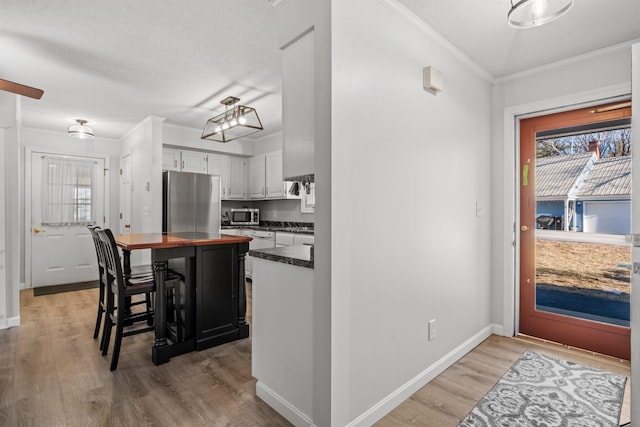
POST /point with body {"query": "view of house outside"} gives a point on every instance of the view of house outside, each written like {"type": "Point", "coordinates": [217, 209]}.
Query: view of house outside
{"type": "Point", "coordinates": [583, 255]}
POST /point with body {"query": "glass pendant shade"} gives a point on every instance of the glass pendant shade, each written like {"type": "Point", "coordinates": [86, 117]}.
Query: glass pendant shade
{"type": "Point", "coordinates": [236, 122]}
{"type": "Point", "coordinates": [533, 13]}
{"type": "Point", "coordinates": [81, 130]}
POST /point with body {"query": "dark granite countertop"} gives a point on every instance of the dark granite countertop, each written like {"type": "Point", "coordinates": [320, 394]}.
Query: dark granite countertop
{"type": "Point", "coordinates": [299, 228]}
{"type": "Point", "coordinates": [299, 255]}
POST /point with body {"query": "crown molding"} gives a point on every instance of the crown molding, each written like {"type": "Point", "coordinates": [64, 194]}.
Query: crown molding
{"type": "Point", "coordinates": [568, 61]}
{"type": "Point", "coordinates": [427, 30]}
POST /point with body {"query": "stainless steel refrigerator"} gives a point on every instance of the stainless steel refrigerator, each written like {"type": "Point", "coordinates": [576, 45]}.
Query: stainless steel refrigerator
{"type": "Point", "coordinates": [190, 202]}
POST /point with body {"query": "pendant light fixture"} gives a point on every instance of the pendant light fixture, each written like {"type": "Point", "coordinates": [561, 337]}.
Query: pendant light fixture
{"type": "Point", "coordinates": [81, 130]}
{"type": "Point", "coordinates": [236, 121]}
{"type": "Point", "coordinates": [533, 13]}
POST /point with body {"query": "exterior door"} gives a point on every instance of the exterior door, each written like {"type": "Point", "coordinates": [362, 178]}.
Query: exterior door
{"type": "Point", "coordinates": [62, 250]}
{"type": "Point", "coordinates": [535, 320]}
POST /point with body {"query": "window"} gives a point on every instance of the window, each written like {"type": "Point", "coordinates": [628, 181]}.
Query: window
{"type": "Point", "coordinates": [68, 191]}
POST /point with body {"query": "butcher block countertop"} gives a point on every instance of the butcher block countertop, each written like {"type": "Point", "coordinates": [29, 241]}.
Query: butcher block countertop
{"type": "Point", "coordinates": [175, 239]}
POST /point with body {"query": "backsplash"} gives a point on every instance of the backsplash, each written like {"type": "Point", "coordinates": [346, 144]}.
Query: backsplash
{"type": "Point", "coordinates": [272, 210]}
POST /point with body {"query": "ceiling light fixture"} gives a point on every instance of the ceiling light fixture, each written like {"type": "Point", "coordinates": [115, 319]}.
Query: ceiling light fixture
{"type": "Point", "coordinates": [532, 13]}
{"type": "Point", "coordinates": [81, 130]}
{"type": "Point", "coordinates": [236, 121]}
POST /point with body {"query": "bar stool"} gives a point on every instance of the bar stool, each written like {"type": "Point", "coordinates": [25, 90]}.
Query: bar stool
{"type": "Point", "coordinates": [120, 287]}
{"type": "Point", "coordinates": [137, 271]}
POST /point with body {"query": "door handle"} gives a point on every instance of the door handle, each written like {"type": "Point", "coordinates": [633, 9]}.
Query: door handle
{"type": "Point", "coordinates": [524, 228]}
{"type": "Point", "coordinates": [38, 229]}
{"type": "Point", "coordinates": [127, 226]}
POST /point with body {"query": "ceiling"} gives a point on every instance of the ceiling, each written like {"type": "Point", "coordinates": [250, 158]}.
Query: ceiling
{"type": "Point", "coordinates": [116, 62]}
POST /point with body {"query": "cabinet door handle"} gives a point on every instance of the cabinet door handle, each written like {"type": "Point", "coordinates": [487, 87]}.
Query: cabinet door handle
{"type": "Point", "coordinates": [223, 191]}
{"type": "Point", "coordinates": [175, 163]}
{"type": "Point", "coordinates": [183, 164]}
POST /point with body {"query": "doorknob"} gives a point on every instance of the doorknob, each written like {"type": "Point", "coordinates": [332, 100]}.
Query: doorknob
{"type": "Point", "coordinates": [127, 226]}
{"type": "Point", "coordinates": [524, 228]}
{"type": "Point", "coordinates": [37, 230]}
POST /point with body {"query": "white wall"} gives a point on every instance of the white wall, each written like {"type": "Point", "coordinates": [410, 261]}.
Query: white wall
{"type": "Point", "coordinates": [295, 17]}
{"type": "Point", "coordinates": [581, 80]}
{"type": "Point", "coordinates": [3, 270]}
{"type": "Point", "coordinates": [395, 144]}
{"type": "Point", "coordinates": [635, 296]}
{"type": "Point", "coordinates": [144, 144]}
{"type": "Point", "coordinates": [10, 125]}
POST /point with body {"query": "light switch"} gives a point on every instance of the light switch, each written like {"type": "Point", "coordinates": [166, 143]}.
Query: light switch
{"type": "Point", "coordinates": [146, 211]}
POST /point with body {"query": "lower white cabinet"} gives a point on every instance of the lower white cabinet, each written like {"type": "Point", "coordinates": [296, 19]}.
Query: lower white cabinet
{"type": "Point", "coordinates": [292, 239]}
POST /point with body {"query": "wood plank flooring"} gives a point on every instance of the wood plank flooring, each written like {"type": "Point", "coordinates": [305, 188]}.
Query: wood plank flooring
{"type": "Point", "coordinates": [52, 374]}
{"type": "Point", "coordinates": [450, 396]}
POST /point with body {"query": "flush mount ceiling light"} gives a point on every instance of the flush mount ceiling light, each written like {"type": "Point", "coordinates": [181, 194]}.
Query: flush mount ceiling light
{"type": "Point", "coordinates": [81, 130]}
{"type": "Point", "coordinates": [532, 13]}
{"type": "Point", "coordinates": [236, 121]}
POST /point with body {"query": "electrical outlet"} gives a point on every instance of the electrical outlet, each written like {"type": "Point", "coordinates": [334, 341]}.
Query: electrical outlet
{"type": "Point", "coordinates": [432, 329]}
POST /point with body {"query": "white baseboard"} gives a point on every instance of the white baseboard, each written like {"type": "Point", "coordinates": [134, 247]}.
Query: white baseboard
{"type": "Point", "coordinates": [386, 405]}
{"type": "Point", "coordinates": [281, 406]}
{"type": "Point", "coordinates": [10, 322]}
{"type": "Point", "coordinates": [497, 330]}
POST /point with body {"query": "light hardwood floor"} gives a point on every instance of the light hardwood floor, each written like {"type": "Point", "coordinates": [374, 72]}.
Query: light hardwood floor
{"type": "Point", "coordinates": [52, 374]}
{"type": "Point", "coordinates": [450, 396]}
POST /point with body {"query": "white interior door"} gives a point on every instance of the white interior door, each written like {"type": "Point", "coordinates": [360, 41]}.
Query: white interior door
{"type": "Point", "coordinates": [125, 194]}
{"type": "Point", "coordinates": [62, 253]}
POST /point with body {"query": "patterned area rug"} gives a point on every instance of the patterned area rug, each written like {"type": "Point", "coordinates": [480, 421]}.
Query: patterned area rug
{"type": "Point", "coordinates": [539, 390]}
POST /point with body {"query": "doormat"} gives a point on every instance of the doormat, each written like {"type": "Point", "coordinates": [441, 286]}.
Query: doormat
{"type": "Point", "coordinates": [69, 287]}
{"type": "Point", "coordinates": [539, 390]}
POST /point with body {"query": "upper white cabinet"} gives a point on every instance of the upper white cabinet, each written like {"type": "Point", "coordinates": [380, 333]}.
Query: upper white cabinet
{"type": "Point", "coordinates": [241, 178]}
{"type": "Point", "coordinates": [194, 161]}
{"type": "Point", "coordinates": [298, 98]}
{"type": "Point", "coordinates": [219, 165]}
{"type": "Point", "coordinates": [275, 186]}
{"type": "Point", "coordinates": [171, 159]}
{"type": "Point", "coordinates": [256, 177]}
{"type": "Point", "coordinates": [237, 181]}
{"type": "Point", "coordinates": [265, 176]}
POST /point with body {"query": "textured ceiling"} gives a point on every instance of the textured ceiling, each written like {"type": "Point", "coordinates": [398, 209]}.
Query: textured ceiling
{"type": "Point", "coordinates": [116, 62]}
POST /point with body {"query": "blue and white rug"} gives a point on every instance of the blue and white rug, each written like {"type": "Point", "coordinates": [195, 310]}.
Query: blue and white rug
{"type": "Point", "coordinates": [542, 391]}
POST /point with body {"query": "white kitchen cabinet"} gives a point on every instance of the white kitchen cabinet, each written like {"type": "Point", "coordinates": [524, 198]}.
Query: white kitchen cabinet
{"type": "Point", "coordinates": [171, 159]}
{"type": "Point", "coordinates": [275, 186]}
{"type": "Point", "coordinates": [265, 176]}
{"type": "Point", "coordinates": [284, 239]}
{"type": "Point", "coordinates": [298, 98]}
{"type": "Point", "coordinates": [292, 239]}
{"type": "Point", "coordinates": [219, 165]}
{"type": "Point", "coordinates": [257, 177]}
{"type": "Point", "coordinates": [237, 178]}
{"type": "Point", "coordinates": [302, 239]}
{"type": "Point", "coordinates": [194, 161]}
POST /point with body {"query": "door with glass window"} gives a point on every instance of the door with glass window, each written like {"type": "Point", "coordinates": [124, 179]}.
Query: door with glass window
{"type": "Point", "coordinates": [67, 194]}
{"type": "Point", "coordinates": [574, 263]}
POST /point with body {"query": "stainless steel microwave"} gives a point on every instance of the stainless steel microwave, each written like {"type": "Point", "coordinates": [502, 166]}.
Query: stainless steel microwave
{"type": "Point", "coordinates": [244, 216]}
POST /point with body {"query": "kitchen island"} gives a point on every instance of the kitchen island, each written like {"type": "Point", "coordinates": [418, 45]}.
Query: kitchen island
{"type": "Point", "coordinates": [282, 352]}
{"type": "Point", "coordinates": [213, 306]}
